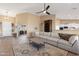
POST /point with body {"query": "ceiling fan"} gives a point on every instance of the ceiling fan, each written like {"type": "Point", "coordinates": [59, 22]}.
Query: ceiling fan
{"type": "Point", "coordinates": [45, 10]}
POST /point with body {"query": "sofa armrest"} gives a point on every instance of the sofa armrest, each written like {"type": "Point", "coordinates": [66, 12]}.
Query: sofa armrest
{"type": "Point", "coordinates": [74, 42]}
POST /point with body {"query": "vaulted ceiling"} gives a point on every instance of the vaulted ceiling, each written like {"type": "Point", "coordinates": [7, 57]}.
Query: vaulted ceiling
{"type": "Point", "coordinates": [61, 10]}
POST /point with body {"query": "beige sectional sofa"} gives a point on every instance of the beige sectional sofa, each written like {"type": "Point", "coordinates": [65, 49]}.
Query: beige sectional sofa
{"type": "Point", "coordinates": [54, 39]}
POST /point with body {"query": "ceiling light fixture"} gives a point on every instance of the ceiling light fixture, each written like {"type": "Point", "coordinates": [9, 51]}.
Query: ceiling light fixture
{"type": "Point", "coordinates": [44, 12]}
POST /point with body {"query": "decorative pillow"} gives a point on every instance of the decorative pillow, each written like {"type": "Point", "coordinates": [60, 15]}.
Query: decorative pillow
{"type": "Point", "coordinates": [65, 36]}
{"type": "Point", "coordinates": [72, 39]}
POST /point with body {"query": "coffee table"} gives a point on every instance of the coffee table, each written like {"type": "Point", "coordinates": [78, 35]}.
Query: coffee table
{"type": "Point", "coordinates": [37, 43]}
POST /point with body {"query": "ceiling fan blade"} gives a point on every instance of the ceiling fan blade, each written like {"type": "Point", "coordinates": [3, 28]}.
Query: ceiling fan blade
{"type": "Point", "coordinates": [47, 7]}
{"type": "Point", "coordinates": [47, 13]}
{"type": "Point", "coordinates": [40, 11]}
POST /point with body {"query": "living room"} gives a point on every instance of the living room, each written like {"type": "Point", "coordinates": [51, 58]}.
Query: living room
{"type": "Point", "coordinates": [47, 28]}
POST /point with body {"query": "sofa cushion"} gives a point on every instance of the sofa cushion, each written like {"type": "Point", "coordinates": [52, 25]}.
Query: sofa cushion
{"type": "Point", "coordinates": [66, 47]}
{"type": "Point", "coordinates": [41, 33]}
{"type": "Point", "coordinates": [65, 36]}
{"type": "Point", "coordinates": [41, 36]}
{"type": "Point", "coordinates": [51, 42]}
{"type": "Point", "coordinates": [52, 39]}
{"type": "Point", "coordinates": [46, 33]}
{"type": "Point", "coordinates": [73, 39]}
{"type": "Point", "coordinates": [64, 42]}
{"type": "Point", "coordinates": [54, 35]}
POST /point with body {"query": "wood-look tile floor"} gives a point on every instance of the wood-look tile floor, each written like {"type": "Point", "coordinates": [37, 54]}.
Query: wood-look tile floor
{"type": "Point", "coordinates": [6, 46]}
{"type": "Point", "coordinates": [10, 46]}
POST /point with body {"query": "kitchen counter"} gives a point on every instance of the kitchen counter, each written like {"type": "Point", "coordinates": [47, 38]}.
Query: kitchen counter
{"type": "Point", "coordinates": [68, 31]}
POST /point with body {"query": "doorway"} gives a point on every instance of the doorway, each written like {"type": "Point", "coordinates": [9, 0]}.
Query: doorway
{"type": "Point", "coordinates": [48, 26]}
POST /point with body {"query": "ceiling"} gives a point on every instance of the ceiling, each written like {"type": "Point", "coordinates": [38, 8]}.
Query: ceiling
{"type": "Point", "coordinates": [61, 10]}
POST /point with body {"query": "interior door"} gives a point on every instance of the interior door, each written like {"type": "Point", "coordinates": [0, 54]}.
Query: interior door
{"type": "Point", "coordinates": [7, 29]}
